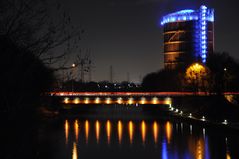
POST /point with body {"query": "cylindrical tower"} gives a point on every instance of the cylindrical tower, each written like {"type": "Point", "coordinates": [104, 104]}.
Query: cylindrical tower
{"type": "Point", "coordinates": [188, 36]}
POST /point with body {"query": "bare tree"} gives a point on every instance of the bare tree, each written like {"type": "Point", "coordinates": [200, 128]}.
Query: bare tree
{"type": "Point", "coordinates": [85, 64]}
{"type": "Point", "coordinates": [39, 27]}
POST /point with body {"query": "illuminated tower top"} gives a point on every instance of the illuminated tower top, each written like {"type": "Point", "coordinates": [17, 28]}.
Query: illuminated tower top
{"type": "Point", "coordinates": [200, 20]}
{"type": "Point", "coordinates": [189, 14]}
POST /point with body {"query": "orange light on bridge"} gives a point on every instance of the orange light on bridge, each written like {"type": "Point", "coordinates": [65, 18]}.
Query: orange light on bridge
{"type": "Point", "coordinates": [87, 100]}
{"type": "Point", "coordinates": [97, 131]}
{"type": "Point", "coordinates": [97, 100]}
{"type": "Point", "coordinates": [87, 127]}
{"type": "Point", "coordinates": [142, 100]}
{"type": "Point", "coordinates": [155, 132]}
{"type": "Point", "coordinates": [108, 100]}
{"type": "Point", "coordinates": [119, 100]}
{"type": "Point", "coordinates": [66, 100]}
{"type": "Point", "coordinates": [143, 131]}
{"type": "Point", "coordinates": [76, 101]}
{"type": "Point", "coordinates": [155, 100]}
{"type": "Point", "coordinates": [131, 100]}
{"type": "Point", "coordinates": [168, 101]}
{"type": "Point", "coordinates": [66, 130]}
{"type": "Point", "coordinates": [131, 132]}
{"type": "Point", "coordinates": [108, 131]}
{"type": "Point", "coordinates": [120, 131]}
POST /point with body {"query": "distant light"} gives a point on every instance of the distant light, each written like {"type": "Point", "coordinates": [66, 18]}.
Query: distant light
{"type": "Point", "coordinates": [203, 7]}
{"type": "Point", "coordinates": [143, 100]}
{"type": "Point", "coordinates": [86, 101]}
{"type": "Point", "coordinates": [170, 105]}
{"type": "Point", "coordinates": [225, 122]}
{"type": "Point", "coordinates": [108, 101]}
{"type": "Point", "coordinates": [119, 100]}
{"type": "Point", "coordinates": [97, 100]}
{"type": "Point", "coordinates": [203, 118]}
{"type": "Point", "coordinates": [76, 101]}
{"type": "Point", "coordinates": [168, 101]}
{"type": "Point", "coordinates": [181, 112]}
{"type": "Point", "coordinates": [66, 100]}
{"type": "Point", "coordinates": [73, 65]}
{"type": "Point", "coordinates": [225, 69]}
{"type": "Point", "coordinates": [190, 115]}
{"type": "Point", "coordinates": [176, 110]}
{"type": "Point", "coordinates": [130, 100]}
{"type": "Point", "coordinates": [155, 100]}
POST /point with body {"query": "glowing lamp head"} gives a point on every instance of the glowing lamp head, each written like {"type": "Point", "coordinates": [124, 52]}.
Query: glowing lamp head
{"type": "Point", "coordinates": [97, 100]}
{"type": "Point", "coordinates": [155, 100]}
{"type": "Point", "coordinates": [130, 101]}
{"type": "Point", "coordinates": [76, 101]}
{"type": "Point", "coordinates": [108, 101]}
{"type": "Point", "coordinates": [87, 100]}
{"type": "Point", "coordinates": [119, 100]}
{"type": "Point", "coordinates": [143, 100]}
{"type": "Point", "coordinates": [66, 100]}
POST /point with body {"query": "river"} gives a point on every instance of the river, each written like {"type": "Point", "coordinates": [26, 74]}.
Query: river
{"type": "Point", "coordinates": [82, 137]}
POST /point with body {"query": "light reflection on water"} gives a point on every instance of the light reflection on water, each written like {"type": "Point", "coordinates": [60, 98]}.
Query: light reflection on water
{"type": "Point", "coordinates": [170, 140]}
{"type": "Point", "coordinates": [97, 131]}
{"type": "Point", "coordinates": [66, 130]}
{"type": "Point", "coordinates": [155, 132]}
{"type": "Point", "coordinates": [143, 131]}
{"type": "Point", "coordinates": [87, 129]}
{"type": "Point", "coordinates": [108, 131]}
{"type": "Point", "coordinates": [120, 131]}
{"type": "Point", "coordinates": [131, 131]}
{"type": "Point", "coordinates": [74, 151]}
{"type": "Point", "coordinates": [76, 128]}
{"type": "Point", "coordinates": [168, 126]}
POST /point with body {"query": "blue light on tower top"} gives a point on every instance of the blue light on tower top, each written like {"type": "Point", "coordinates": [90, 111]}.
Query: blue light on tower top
{"type": "Point", "coordinates": [188, 14]}
{"type": "Point", "coordinates": [201, 16]}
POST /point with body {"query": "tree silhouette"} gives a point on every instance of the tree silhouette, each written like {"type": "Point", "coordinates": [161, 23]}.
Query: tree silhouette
{"type": "Point", "coordinates": [23, 79]}
{"type": "Point", "coordinates": [40, 27]}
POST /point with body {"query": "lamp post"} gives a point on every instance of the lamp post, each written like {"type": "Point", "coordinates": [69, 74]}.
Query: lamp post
{"type": "Point", "coordinates": [225, 79]}
{"type": "Point", "coordinates": [72, 84]}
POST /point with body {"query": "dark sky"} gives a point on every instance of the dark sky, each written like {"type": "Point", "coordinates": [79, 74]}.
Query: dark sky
{"type": "Point", "coordinates": [126, 33]}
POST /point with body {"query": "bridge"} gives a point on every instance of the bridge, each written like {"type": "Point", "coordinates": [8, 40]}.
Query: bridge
{"type": "Point", "coordinates": [131, 98]}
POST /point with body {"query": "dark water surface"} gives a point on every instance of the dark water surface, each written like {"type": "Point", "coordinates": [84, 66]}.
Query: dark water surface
{"type": "Point", "coordinates": [83, 138]}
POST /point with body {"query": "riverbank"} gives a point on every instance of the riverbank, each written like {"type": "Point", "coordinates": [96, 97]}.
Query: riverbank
{"type": "Point", "coordinates": [215, 111]}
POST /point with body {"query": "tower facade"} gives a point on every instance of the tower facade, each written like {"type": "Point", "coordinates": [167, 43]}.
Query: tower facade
{"type": "Point", "coordinates": [188, 36]}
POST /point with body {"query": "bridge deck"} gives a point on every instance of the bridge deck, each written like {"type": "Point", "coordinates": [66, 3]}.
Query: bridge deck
{"type": "Point", "coordinates": [135, 93]}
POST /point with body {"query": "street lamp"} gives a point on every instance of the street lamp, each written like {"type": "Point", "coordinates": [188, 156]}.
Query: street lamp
{"type": "Point", "coordinates": [225, 79]}
{"type": "Point", "coordinates": [72, 85]}
{"type": "Point", "coordinates": [196, 76]}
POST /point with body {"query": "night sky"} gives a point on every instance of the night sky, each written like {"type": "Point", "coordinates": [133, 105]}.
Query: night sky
{"type": "Point", "coordinates": [126, 33]}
